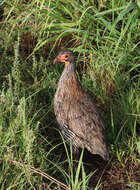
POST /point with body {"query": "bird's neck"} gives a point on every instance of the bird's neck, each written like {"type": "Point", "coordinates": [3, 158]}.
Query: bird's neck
{"type": "Point", "coordinates": [68, 72]}
{"type": "Point", "coordinates": [69, 67]}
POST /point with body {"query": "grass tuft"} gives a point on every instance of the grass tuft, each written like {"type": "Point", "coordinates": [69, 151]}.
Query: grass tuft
{"type": "Point", "coordinates": [105, 37]}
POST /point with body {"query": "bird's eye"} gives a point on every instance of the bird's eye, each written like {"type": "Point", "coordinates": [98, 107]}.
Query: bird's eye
{"type": "Point", "coordinates": [66, 56]}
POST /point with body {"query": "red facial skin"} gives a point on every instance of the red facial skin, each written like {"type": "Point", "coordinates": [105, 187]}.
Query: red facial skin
{"type": "Point", "coordinates": [62, 58]}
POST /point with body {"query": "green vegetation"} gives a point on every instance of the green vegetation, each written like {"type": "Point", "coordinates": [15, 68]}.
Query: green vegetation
{"type": "Point", "coordinates": [106, 37]}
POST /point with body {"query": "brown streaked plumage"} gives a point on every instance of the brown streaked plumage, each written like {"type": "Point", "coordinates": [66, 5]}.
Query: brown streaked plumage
{"type": "Point", "coordinates": [76, 113]}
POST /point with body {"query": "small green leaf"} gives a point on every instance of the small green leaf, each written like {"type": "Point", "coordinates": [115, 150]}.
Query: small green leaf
{"type": "Point", "coordinates": [138, 147]}
{"type": "Point", "coordinates": [138, 3]}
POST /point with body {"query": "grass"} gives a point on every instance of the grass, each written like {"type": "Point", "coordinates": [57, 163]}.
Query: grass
{"type": "Point", "coordinates": [105, 35]}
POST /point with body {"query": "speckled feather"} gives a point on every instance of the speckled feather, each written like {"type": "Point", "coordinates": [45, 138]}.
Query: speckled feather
{"type": "Point", "coordinates": [77, 115]}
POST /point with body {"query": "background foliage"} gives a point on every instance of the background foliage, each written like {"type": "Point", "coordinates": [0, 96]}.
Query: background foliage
{"type": "Point", "coordinates": [105, 36]}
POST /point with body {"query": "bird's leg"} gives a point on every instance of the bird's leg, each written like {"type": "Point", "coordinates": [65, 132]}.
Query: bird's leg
{"type": "Point", "coordinates": [75, 164]}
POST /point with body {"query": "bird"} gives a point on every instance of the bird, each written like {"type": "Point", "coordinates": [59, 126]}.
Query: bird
{"type": "Point", "coordinates": [76, 113]}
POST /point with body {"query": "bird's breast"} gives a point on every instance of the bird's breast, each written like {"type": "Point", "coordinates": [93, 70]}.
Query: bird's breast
{"type": "Point", "coordinates": [71, 86]}
{"type": "Point", "coordinates": [68, 94]}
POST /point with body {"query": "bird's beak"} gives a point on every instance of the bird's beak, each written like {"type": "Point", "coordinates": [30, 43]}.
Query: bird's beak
{"type": "Point", "coordinates": [58, 59]}
{"type": "Point", "coordinates": [55, 60]}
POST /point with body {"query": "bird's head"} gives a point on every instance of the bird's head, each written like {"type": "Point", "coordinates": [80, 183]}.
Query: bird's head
{"type": "Point", "coordinates": [65, 56]}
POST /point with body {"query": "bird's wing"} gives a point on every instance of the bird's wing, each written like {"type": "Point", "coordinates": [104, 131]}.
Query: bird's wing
{"type": "Point", "coordinates": [85, 122]}
{"type": "Point", "coordinates": [83, 117]}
